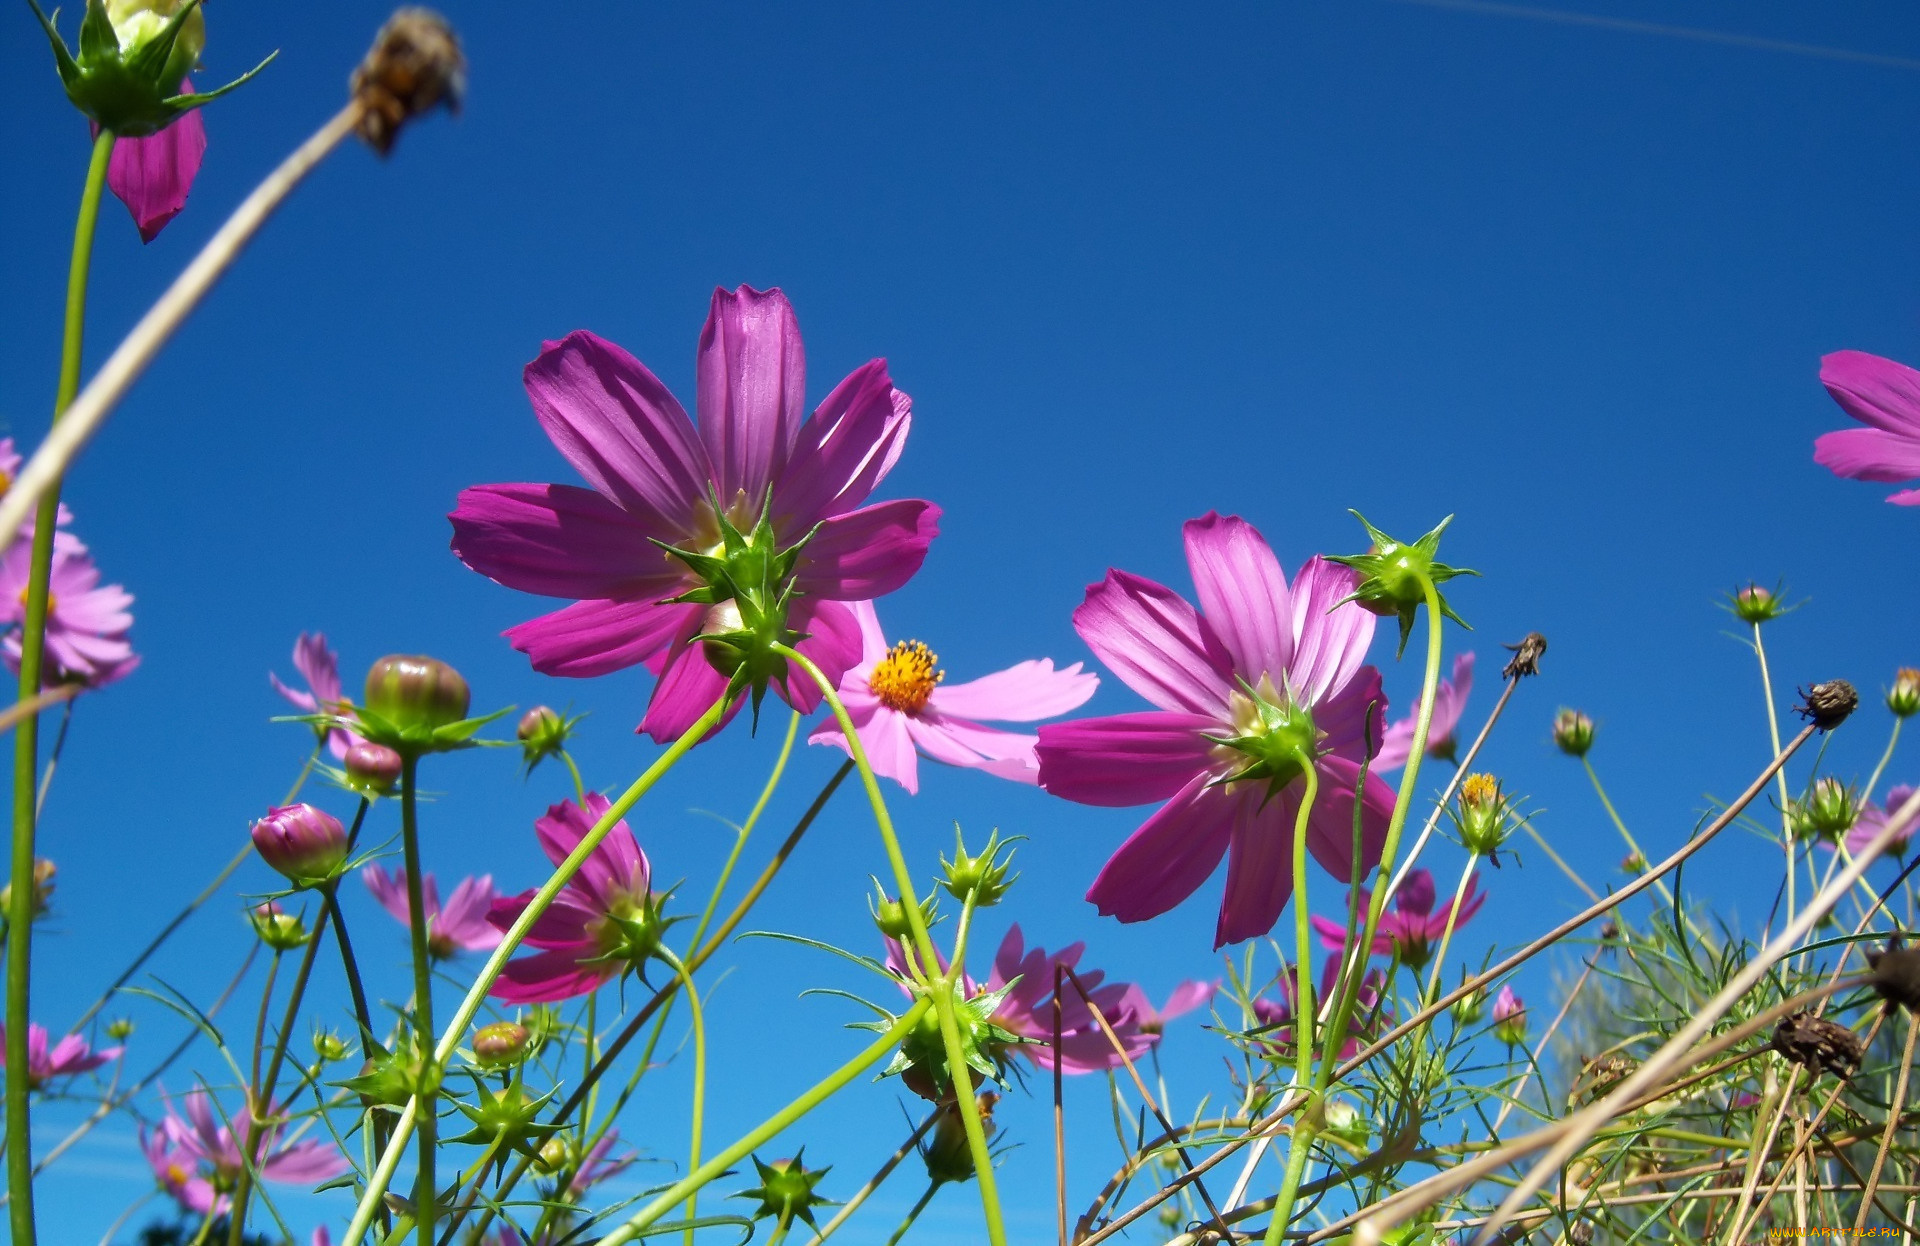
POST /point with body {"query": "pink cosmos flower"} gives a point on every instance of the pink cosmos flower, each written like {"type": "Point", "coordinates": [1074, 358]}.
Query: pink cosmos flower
{"type": "Point", "coordinates": [69, 1056]}
{"type": "Point", "coordinates": [152, 175]}
{"type": "Point", "coordinates": [320, 667]}
{"type": "Point", "coordinates": [1411, 926]}
{"type": "Point", "coordinates": [1185, 998]}
{"type": "Point", "coordinates": [1266, 674]}
{"type": "Point", "coordinates": [596, 1167]}
{"type": "Point", "coordinates": [653, 475]}
{"type": "Point", "coordinates": [1885, 396]}
{"type": "Point", "coordinates": [460, 926]}
{"type": "Point", "coordinates": [198, 1156]}
{"type": "Point", "coordinates": [1509, 1017]}
{"type": "Point", "coordinates": [87, 624]}
{"type": "Point", "coordinates": [899, 705]}
{"type": "Point", "coordinates": [1449, 702]}
{"type": "Point", "coordinates": [1873, 819]}
{"type": "Point", "coordinates": [596, 927]}
{"type": "Point", "coordinates": [1276, 1016]}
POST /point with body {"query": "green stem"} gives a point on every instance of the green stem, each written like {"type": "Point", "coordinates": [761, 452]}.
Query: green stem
{"type": "Point", "coordinates": [1619, 824]}
{"type": "Point", "coordinates": [942, 990]}
{"type": "Point", "coordinates": [579, 788]}
{"type": "Point", "coordinates": [746, 829]}
{"type": "Point", "coordinates": [1780, 776]}
{"type": "Point", "coordinates": [933, 1188]}
{"type": "Point", "coordinates": [1446, 935]}
{"type": "Point", "coordinates": [1300, 1140]}
{"type": "Point", "coordinates": [1885, 757]}
{"type": "Point", "coordinates": [768, 1129]}
{"type": "Point", "coordinates": [463, 1016]}
{"type": "Point", "coordinates": [26, 735]}
{"type": "Point", "coordinates": [424, 1184]}
{"type": "Point", "coordinates": [699, 1068]}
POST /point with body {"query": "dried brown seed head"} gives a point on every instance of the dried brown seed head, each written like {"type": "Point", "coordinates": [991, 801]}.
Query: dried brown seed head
{"type": "Point", "coordinates": [414, 66]}
{"type": "Point", "coordinates": [1818, 1043]}
{"type": "Point", "coordinates": [1827, 705]}
{"type": "Point", "coordinates": [1896, 975]}
{"type": "Point", "coordinates": [1526, 656]}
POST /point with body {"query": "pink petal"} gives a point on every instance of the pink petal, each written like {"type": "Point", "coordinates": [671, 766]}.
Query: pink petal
{"type": "Point", "coordinates": [464, 919]}
{"type": "Point", "coordinates": [305, 1162]}
{"type": "Point", "coordinates": [1346, 716]}
{"type": "Point", "coordinates": [1242, 593]}
{"type": "Point", "coordinates": [546, 978]}
{"type": "Point", "coordinates": [1127, 759]}
{"type": "Point", "coordinates": [1333, 934]}
{"type": "Point", "coordinates": [301, 700]}
{"type": "Point", "coordinates": [752, 389]}
{"type": "Point", "coordinates": [1330, 826]}
{"type": "Point", "coordinates": [389, 891]}
{"type": "Point", "coordinates": [598, 637]}
{"type": "Point", "coordinates": [1169, 856]}
{"type": "Point", "coordinates": [1259, 865]}
{"type": "Point", "coordinates": [1415, 896]}
{"type": "Point", "coordinates": [1186, 997]}
{"type": "Point", "coordinates": [1869, 454]}
{"type": "Point", "coordinates": [561, 541]}
{"type": "Point", "coordinates": [686, 691]}
{"type": "Point", "coordinates": [1024, 692]}
{"type": "Point", "coordinates": [890, 748]}
{"type": "Point", "coordinates": [620, 428]}
{"type": "Point", "coordinates": [1157, 644]}
{"type": "Point", "coordinates": [844, 450]}
{"type": "Point", "coordinates": [832, 641]}
{"type": "Point", "coordinates": [957, 742]}
{"type": "Point", "coordinates": [616, 868]}
{"type": "Point", "coordinates": [869, 552]}
{"type": "Point", "coordinates": [1329, 642]}
{"type": "Point", "coordinates": [153, 175]}
{"type": "Point", "coordinates": [1873, 390]}
{"type": "Point", "coordinates": [318, 665]}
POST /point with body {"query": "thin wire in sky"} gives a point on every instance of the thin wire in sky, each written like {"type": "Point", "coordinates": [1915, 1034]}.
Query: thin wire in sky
{"type": "Point", "coordinates": [1698, 35]}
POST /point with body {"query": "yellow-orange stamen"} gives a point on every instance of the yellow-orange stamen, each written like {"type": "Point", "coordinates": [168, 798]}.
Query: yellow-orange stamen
{"type": "Point", "coordinates": [905, 678]}
{"type": "Point", "coordinates": [1479, 789]}
{"type": "Point", "coordinates": [52, 601]}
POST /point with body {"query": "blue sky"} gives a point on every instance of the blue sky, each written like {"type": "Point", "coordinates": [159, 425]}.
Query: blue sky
{"type": "Point", "coordinates": [1570, 283]}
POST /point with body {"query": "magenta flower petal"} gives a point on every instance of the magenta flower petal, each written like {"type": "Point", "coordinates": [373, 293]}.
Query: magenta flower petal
{"type": "Point", "coordinates": [957, 742]}
{"type": "Point", "coordinates": [869, 552]}
{"type": "Point", "coordinates": [846, 449]}
{"type": "Point", "coordinates": [620, 428]}
{"type": "Point", "coordinates": [1330, 825]}
{"type": "Point", "coordinates": [305, 1162]}
{"type": "Point", "coordinates": [153, 175]}
{"type": "Point", "coordinates": [1347, 715]}
{"type": "Point", "coordinates": [1024, 692]}
{"type": "Point", "coordinates": [1125, 759]}
{"type": "Point", "coordinates": [546, 978]}
{"type": "Point", "coordinates": [561, 541]}
{"type": "Point", "coordinates": [1875, 391]}
{"type": "Point", "coordinates": [390, 891]}
{"type": "Point", "coordinates": [1157, 644]}
{"type": "Point", "coordinates": [1330, 641]}
{"type": "Point", "coordinates": [687, 689]}
{"type": "Point", "coordinates": [1869, 454]}
{"type": "Point", "coordinates": [616, 870]}
{"type": "Point", "coordinates": [1415, 896]}
{"type": "Point", "coordinates": [599, 637]}
{"type": "Point", "coordinates": [890, 748]}
{"type": "Point", "coordinates": [1259, 867]}
{"type": "Point", "coordinates": [831, 642]}
{"type": "Point", "coordinates": [1169, 856]}
{"type": "Point", "coordinates": [1242, 593]}
{"type": "Point", "coordinates": [752, 389]}
{"type": "Point", "coordinates": [1449, 702]}
{"type": "Point", "coordinates": [1186, 997]}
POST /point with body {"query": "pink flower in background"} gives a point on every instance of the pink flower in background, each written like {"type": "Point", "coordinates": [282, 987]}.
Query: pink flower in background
{"type": "Point", "coordinates": [1449, 702]}
{"type": "Point", "coordinates": [653, 474]}
{"type": "Point", "coordinates": [1873, 820]}
{"type": "Point", "coordinates": [599, 925]}
{"type": "Point", "coordinates": [901, 708]}
{"type": "Point", "coordinates": [1885, 396]}
{"type": "Point", "coordinates": [1411, 926]}
{"type": "Point", "coordinates": [87, 623]}
{"type": "Point", "coordinates": [595, 1167]}
{"type": "Point", "coordinates": [320, 667]}
{"type": "Point", "coordinates": [194, 1157]}
{"type": "Point", "coordinates": [1185, 998]}
{"type": "Point", "coordinates": [69, 1056]}
{"type": "Point", "coordinates": [1509, 1017]}
{"type": "Point", "coordinates": [1266, 673]}
{"type": "Point", "coordinates": [1276, 1016]}
{"type": "Point", "coordinates": [152, 175]}
{"type": "Point", "coordinates": [462, 925]}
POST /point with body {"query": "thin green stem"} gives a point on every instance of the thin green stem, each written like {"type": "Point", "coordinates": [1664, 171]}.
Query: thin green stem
{"type": "Point", "coordinates": [1446, 935]}
{"type": "Point", "coordinates": [1773, 734]}
{"type": "Point", "coordinates": [913, 1214]}
{"type": "Point", "coordinates": [463, 1016]}
{"type": "Point", "coordinates": [579, 788]}
{"type": "Point", "coordinates": [1300, 1140]}
{"type": "Point", "coordinates": [1885, 757]}
{"type": "Point", "coordinates": [424, 1184]}
{"type": "Point", "coordinates": [769, 1128]}
{"type": "Point", "coordinates": [943, 990]}
{"type": "Point", "coordinates": [26, 735]}
{"type": "Point", "coordinates": [1619, 824]}
{"type": "Point", "coordinates": [746, 828]}
{"type": "Point", "coordinates": [699, 1069]}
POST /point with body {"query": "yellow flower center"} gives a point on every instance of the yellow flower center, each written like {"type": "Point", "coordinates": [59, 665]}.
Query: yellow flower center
{"type": "Point", "coordinates": [1479, 789]}
{"type": "Point", "coordinates": [905, 678]}
{"type": "Point", "coordinates": [52, 601]}
{"type": "Point", "coordinates": [176, 1175]}
{"type": "Point", "coordinates": [1905, 675]}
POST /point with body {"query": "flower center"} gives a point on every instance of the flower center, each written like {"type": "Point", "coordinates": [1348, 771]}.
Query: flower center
{"type": "Point", "coordinates": [1276, 738]}
{"type": "Point", "coordinates": [176, 1175]}
{"type": "Point", "coordinates": [905, 678]}
{"type": "Point", "coordinates": [52, 601]}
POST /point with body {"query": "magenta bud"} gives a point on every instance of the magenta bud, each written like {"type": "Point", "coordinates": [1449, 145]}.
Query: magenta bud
{"type": "Point", "coordinates": [305, 845]}
{"type": "Point", "coordinates": [416, 693]}
{"type": "Point", "coordinates": [372, 769]}
{"type": "Point", "coordinates": [501, 1044]}
{"type": "Point", "coordinates": [538, 722]}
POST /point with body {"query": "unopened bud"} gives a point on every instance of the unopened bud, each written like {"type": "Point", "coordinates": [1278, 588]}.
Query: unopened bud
{"type": "Point", "coordinates": [501, 1045]}
{"type": "Point", "coordinates": [1633, 864]}
{"type": "Point", "coordinates": [1827, 705]}
{"type": "Point", "coordinates": [1904, 697]}
{"type": "Point", "coordinates": [1573, 732]}
{"type": "Point", "coordinates": [416, 693]}
{"type": "Point", "coordinates": [306, 846]}
{"type": "Point", "coordinates": [1828, 812]}
{"type": "Point", "coordinates": [947, 1154]}
{"type": "Point", "coordinates": [1469, 1008]}
{"type": "Point", "coordinates": [43, 885]}
{"type": "Point", "coordinates": [983, 880]}
{"type": "Point", "coordinates": [543, 733]}
{"type": "Point", "coordinates": [414, 66]}
{"type": "Point", "coordinates": [120, 1029]}
{"type": "Point", "coordinates": [329, 1047]}
{"type": "Point", "coordinates": [372, 769]}
{"type": "Point", "coordinates": [1757, 605]}
{"type": "Point", "coordinates": [890, 915]}
{"type": "Point", "coordinates": [278, 929]}
{"type": "Point", "coordinates": [1483, 822]}
{"type": "Point", "coordinates": [1509, 1018]}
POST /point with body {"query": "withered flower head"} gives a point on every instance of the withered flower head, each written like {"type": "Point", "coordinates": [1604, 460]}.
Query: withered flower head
{"type": "Point", "coordinates": [414, 66]}
{"type": "Point", "coordinates": [1819, 1044]}
{"type": "Point", "coordinates": [1896, 974]}
{"type": "Point", "coordinates": [1827, 705]}
{"type": "Point", "coordinates": [1526, 656]}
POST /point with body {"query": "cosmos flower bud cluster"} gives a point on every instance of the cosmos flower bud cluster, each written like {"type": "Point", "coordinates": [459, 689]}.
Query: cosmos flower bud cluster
{"type": "Point", "coordinates": [126, 72]}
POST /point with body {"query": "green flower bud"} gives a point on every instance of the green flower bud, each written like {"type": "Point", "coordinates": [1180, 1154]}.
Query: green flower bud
{"type": "Point", "coordinates": [1484, 819]}
{"type": "Point", "coordinates": [281, 931]}
{"type": "Point", "coordinates": [890, 915]}
{"type": "Point", "coordinates": [120, 1029]}
{"type": "Point", "coordinates": [508, 1117]}
{"type": "Point", "coordinates": [1343, 1121]}
{"type": "Point", "coordinates": [372, 769]}
{"type": "Point", "coordinates": [786, 1192]}
{"type": "Point", "coordinates": [131, 59]}
{"type": "Point", "coordinates": [1573, 732]}
{"type": "Point", "coordinates": [1757, 605]}
{"type": "Point", "coordinates": [43, 885]}
{"type": "Point", "coordinates": [1169, 1216]}
{"type": "Point", "coordinates": [1828, 812]}
{"type": "Point", "coordinates": [542, 734]}
{"type": "Point", "coordinates": [1469, 1008]}
{"type": "Point", "coordinates": [1394, 575]}
{"type": "Point", "coordinates": [329, 1047]}
{"type": "Point", "coordinates": [1904, 697]}
{"type": "Point", "coordinates": [1634, 864]}
{"type": "Point", "coordinates": [416, 693]}
{"type": "Point", "coordinates": [947, 1155]}
{"type": "Point", "coordinates": [501, 1045]}
{"type": "Point", "coordinates": [982, 879]}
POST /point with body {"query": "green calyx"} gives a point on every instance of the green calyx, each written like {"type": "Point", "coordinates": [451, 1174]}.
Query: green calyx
{"type": "Point", "coordinates": [748, 580]}
{"type": "Point", "coordinates": [786, 1191]}
{"type": "Point", "coordinates": [921, 1061]}
{"type": "Point", "coordinates": [980, 880]}
{"type": "Point", "coordinates": [505, 1120]}
{"type": "Point", "coordinates": [630, 935]}
{"type": "Point", "coordinates": [1394, 575]}
{"type": "Point", "coordinates": [1275, 738]}
{"type": "Point", "coordinates": [890, 914]}
{"type": "Point", "coordinates": [132, 56]}
{"type": "Point", "coordinates": [393, 1078]}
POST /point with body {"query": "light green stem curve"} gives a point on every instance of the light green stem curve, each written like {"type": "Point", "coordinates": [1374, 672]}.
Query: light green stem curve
{"type": "Point", "coordinates": [699, 1069]}
{"type": "Point", "coordinates": [1446, 933]}
{"type": "Point", "coordinates": [26, 735]}
{"type": "Point", "coordinates": [463, 1016]}
{"type": "Point", "coordinates": [941, 988]}
{"type": "Point", "coordinates": [1873, 781]}
{"type": "Point", "coordinates": [1780, 776]}
{"type": "Point", "coordinates": [1305, 1013]}
{"type": "Point", "coordinates": [767, 1129]}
